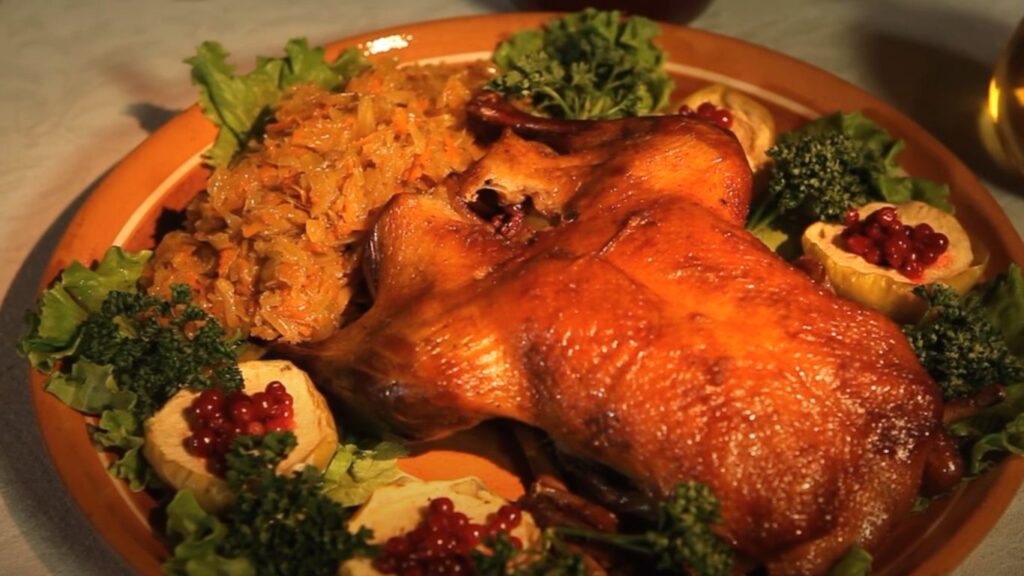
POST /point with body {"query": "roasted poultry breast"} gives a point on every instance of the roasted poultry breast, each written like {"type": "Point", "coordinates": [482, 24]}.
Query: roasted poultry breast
{"type": "Point", "coordinates": [647, 331]}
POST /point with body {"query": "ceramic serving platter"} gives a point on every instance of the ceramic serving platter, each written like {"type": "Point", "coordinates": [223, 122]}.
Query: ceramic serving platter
{"type": "Point", "coordinates": [166, 170]}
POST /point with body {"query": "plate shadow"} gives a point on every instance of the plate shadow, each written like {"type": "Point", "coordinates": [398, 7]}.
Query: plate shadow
{"type": "Point", "coordinates": [150, 116]}
{"type": "Point", "coordinates": [37, 500]}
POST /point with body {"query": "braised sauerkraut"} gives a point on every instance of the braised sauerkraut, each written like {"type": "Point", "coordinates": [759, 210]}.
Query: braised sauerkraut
{"type": "Point", "coordinates": [270, 247]}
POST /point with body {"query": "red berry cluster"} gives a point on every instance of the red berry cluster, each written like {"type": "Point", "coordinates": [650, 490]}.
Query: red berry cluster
{"type": "Point", "coordinates": [709, 111]}
{"type": "Point", "coordinates": [442, 543]}
{"type": "Point", "coordinates": [215, 419]}
{"type": "Point", "coordinates": [883, 240]}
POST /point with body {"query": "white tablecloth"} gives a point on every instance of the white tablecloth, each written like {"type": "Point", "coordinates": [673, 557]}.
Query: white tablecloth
{"type": "Point", "coordinates": [83, 82]}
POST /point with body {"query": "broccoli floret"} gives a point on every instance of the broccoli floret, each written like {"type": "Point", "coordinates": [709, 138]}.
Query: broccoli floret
{"type": "Point", "coordinates": [682, 540]}
{"type": "Point", "coordinates": [827, 166]}
{"type": "Point", "coordinates": [958, 344]}
{"type": "Point", "coordinates": [684, 536]}
{"type": "Point", "coordinates": [818, 176]}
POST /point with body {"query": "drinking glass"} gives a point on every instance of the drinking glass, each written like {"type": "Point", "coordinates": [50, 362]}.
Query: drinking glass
{"type": "Point", "coordinates": [1004, 112]}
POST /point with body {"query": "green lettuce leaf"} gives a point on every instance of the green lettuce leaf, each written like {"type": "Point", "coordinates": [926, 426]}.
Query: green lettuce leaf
{"type": "Point", "coordinates": [79, 292]}
{"type": "Point", "coordinates": [55, 332]}
{"type": "Point", "coordinates": [1004, 300]}
{"type": "Point", "coordinates": [53, 329]}
{"type": "Point", "coordinates": [89, 388]}
{"type": "Point", "coordinates": [864, 130]}
{"type": "Point", "coordinates": [121, 353]}
{"type": "Point", "coordinates": [118, 270]}
{"type": "Point", "coordinates": [133, 468]}
{"type": "Point", "coordinates": [998, 429]}
{"type": "Point", "coordinates": [900, 189]}
{"type": "Point", "coordinates": [354, 473]}
{"type": "Point", "coordinates": [856, 562]}
{"type": "Point", "coordinates": [197, 534]}
{"type": "Point", "coordinates": [118, 430]}
{"type": "Point", "coordinates": [891, 181]}
{"type": "Point", "coordinates": [305, 65]}
{"type": "Point", "coordinates": [994, 431]}
{"type": "Point", "coordinates": [779, 236]}
{"type": "Point", "coordinates": [1010, 439]}
{"type": "Point", "coordinates": [240, 105]}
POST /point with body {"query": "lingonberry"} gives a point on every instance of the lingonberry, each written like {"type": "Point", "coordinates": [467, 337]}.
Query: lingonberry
{"type": "Point", "coordinates": [216, 419]}
{"type": "Point", "coordinates": [882, 239]}
{"type": "Point", "coordinates": [444, 540]}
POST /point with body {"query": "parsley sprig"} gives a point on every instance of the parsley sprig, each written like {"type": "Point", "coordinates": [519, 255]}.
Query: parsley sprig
{"type": "Point", "coordinates": [284, 524]}
{"type": "Point", "coordinates": [112, 351]}
{"type": "Point", "coordinates": [589, 64]}
{"type": "Point", "coordinates": [156, 347]}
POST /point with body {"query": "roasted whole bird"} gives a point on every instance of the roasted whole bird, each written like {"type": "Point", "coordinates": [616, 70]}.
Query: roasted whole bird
{"type": "Point", "coordinates": [647, 331]}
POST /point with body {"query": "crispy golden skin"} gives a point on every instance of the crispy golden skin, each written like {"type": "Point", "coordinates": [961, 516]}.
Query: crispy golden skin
{"type": "Point", "coordinates": [650, 332]}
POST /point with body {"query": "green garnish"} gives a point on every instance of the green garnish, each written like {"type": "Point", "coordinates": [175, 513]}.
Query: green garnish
{"type": "Point", "coordinates": [684, 535]}
{"type": "Point", "coordinates": [278, 524]}
{"type": "Point", "coordinates": [551, 557]}
{"type": "Point", "coordinates": [683, 538]}
{"type": "Point", "coordinates": [856, 562]}
{"type": "Point", "coordinates": [240, 105]}
{"type": "Point", "coordinates": [1004, 306]}
{"type": "Point", "coordinates": [827, 166]}
{"type": "Point", "coordinates": [999, 429]}
{"type": "Point", "coordinates": [354, 473]}
{"type": "Point", "coordinates": [157, 347]}
{"type": "Point", "coordinates": [77, 294]}
{"type": "Point", "coordinates": [959, 345]}
{"type": "Point", "coordinates": [122, 354]}
{"type": "Point", "coordinates": [590, 64]}
{"type": "Point", "coordinates": [198, 535]}
{"type": "Point", "coordinates": [1005, 422]}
